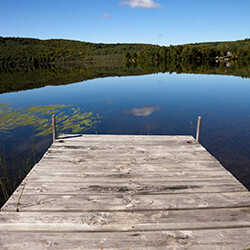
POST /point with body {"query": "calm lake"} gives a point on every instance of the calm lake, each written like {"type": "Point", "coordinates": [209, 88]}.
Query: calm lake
{"type": "Point", "coordinates": [156, 104]}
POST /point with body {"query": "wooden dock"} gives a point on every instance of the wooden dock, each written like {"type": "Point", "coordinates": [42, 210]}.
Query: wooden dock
{"type": "Point", "coordinates": [127, 192]}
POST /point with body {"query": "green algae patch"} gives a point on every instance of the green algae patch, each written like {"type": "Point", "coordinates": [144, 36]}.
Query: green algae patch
{"type": "Point", "coordinates": [69, 119]}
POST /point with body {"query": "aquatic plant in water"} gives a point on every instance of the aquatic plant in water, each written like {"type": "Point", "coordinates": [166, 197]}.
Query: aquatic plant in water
{"type": "Point", "coordinates": [69, 119]}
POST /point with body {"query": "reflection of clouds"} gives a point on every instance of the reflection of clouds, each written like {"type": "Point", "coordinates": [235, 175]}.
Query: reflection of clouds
{"type": "Point", "coordinates": [143, 111]}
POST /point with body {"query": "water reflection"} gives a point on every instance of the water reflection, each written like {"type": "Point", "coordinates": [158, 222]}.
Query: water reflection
{"type": "Point", "coordinates": [30, 78]}
{"type": "Point", "coordinates": [143, 111]}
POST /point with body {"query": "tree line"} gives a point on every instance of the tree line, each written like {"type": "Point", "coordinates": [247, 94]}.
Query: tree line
{"type": "Point", "coordinates": [20, 52]}
{"type": "Point", "coordinates": [23, 52]}
{"type": "Point", "coordinates": [198, 52]}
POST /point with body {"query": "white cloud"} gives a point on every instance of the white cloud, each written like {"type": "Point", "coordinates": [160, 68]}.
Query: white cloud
{"type": "Point", "coordinates": [105, 16]}
{"type": "Point", "coordinates": [145, 4]}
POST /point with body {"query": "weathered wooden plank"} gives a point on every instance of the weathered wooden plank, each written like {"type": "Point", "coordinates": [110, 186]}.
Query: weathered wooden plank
{"type": "Point", "coordinates": [126, 221]}
{"type": "Point", "coordinates": [195, 239]}
{"type": "Point", "coordinates": [85, 178]}
{"type": "Point", "coordinates": [130, 149]}
{"type": "Point", "coordinates": [153, 175]}
{"type": "Point", "coordinates": [135, 149]}
{"type": "Point", "coordinates": [129, 140]}
{"type": "Point", "coordinates": [110, 137]}
{"type": "Point", "coordinates": [129, 174]}
{"type": "Point", "coordinates": [126, 139]}
{"type": "Point", "coordinates": [161, 158]}
{"type": "Point", "coordinates": [110, 166]}
{"type": "Point", "coordinates": [116, 156]}
{"type": "Point", "coordinates": [136, 188]}
{"type": "Point", "coordinates": [119, 168]}
{"type": "Point", "coordinates": [126, 202]}
{"type": "Point", "coordinates": [103, 146]}
{"type": "Point", "coordinates": [126, 159]}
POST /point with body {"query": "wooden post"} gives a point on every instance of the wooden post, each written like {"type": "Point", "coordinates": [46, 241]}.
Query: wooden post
{"type": "Point", "coordinates": [198, 129]}
{"type": "Point", "coordinates": [54, 127]}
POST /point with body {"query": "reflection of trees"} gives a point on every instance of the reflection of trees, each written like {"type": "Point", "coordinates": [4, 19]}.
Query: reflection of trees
{"type": "Point", "coordinates": [57, 75]}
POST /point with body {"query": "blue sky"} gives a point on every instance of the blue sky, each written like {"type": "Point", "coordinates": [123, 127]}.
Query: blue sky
{"type": "Point", "coordinates": [162, 22]}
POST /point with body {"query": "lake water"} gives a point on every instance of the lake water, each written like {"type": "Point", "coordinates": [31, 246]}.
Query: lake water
{"type": "Point", "coordinates": [157, 104]}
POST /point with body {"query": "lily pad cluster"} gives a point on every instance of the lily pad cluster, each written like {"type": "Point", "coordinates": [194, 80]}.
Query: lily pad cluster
{"type": "Point", "coordinates": [69, 119]}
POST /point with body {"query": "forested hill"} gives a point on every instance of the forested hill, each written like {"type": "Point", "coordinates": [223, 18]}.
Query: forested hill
{"type": "Point", "coordinates": [21, 52]}
{"type": "Point", "coordinates": [24, 51]}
